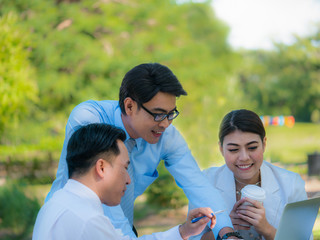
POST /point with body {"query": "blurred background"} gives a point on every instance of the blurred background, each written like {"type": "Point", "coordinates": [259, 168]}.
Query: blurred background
{"type": "Point", "coordinates": [228, 54]}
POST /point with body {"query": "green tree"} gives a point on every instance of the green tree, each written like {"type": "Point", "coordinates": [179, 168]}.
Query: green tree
{"type": "Point", "coordinates": [82, 49]}
{"type": "Point", "coordinates": [286, 80]}
{"type": "Point", "coordinates": [18, 88]}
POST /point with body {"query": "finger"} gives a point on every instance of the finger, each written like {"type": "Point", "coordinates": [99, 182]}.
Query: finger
{"type": "Point", "coordinates": [250, 218]}
{"type": "Point", "coordinates": [255, 203]}
{"type": "Point", "coordinates": [213, 221]}
{"type": "Point", "coordinates": [238, 203]}
{"type": "Point", "coordinates": [240, 221]}
{"type": "Point", "coordinates": [241, 227]}
{"type": "Point", "coordinates": [200, 212]}
{"type": "Point", "coordinates": [251, 211]}
{"type": "Point", "coordinates": [248, 208]}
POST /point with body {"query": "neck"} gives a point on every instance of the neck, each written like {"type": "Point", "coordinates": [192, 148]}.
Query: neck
{"type": "Point", "coordinates": [242, 183]}
{"type": "Point", "coordinates": [127, 126]}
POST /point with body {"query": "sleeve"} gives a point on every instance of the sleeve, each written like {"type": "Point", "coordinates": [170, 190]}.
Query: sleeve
{"type": "Point", "coordinates": [99, 227]}
{"type": "Point", "coordinates": [118, 219]}
{"type": "Point", "coordinates": [171, 234]}
{"type": "Point", "coordinates": [183, 167]}
{"type": "Point", "coordinates": [81, 115]}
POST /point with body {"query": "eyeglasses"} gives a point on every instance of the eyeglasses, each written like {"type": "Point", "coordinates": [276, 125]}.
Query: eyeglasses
{"type": "Point", "coordinates": [158, 117]}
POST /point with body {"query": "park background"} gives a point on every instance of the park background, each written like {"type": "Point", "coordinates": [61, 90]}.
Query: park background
{"type": "Point", "coordinates": [56, 54]}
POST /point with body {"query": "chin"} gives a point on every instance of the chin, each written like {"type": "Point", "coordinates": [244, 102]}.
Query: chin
{"type": "Point", "coordinates": [152, 141]}
{"type": "Point", "coordinates": [111, 203]}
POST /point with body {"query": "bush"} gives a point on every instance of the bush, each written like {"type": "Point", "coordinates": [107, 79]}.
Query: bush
{"type": "Point", "coordinates": [164, 192]}
{"type": "Point", "coordinates": [17, 212]}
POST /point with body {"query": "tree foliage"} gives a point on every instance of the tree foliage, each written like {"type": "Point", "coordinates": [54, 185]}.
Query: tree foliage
{"type": "Point", "coordinates": [75, 50]}
{"type": "Point", "coordinates": [286, 81]}
{"type": "Point", "coordinates": [82, 49]}
{"type": "Point", "coordinates": [18, 87]}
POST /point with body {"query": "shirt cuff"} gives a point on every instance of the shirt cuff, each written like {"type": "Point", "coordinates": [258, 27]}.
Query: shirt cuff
{"type": "Point", "coordinates": [174, 232]}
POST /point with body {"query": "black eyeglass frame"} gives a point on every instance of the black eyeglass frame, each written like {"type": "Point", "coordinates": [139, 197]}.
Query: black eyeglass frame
{"type": "Point", "coordinates": [162, 116]}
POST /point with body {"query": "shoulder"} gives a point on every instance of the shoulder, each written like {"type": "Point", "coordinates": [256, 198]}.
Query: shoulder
{"type": "Point", "coordinates": [281, 172]}
{"type": "Point", "coordinates": [291, 185]}
{"type": "Point", "coordinates": [76, 206]}
{"type": "Point", "coordinates": [96, 106]}
{"type": "Point", "coordinates": [213, 173]}
{"type": "Point", "coordinates": [93, 112]}
{"type": "Point", "coordinates": [290, 182]}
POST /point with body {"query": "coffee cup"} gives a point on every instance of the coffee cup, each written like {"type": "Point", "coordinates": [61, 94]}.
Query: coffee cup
{"type": "Point", "coordinates": [253, 192]}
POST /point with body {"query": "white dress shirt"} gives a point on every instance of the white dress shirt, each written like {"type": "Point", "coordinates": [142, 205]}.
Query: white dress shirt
{"type": "Point", "coordinates": [75, 212]}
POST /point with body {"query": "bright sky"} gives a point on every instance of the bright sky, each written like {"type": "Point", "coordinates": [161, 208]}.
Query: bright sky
{"type": "Point", "coordinates": [255, 23]}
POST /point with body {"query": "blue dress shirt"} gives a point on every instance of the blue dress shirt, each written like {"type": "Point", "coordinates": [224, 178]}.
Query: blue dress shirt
{"type": "Point", "coordinates": [145, 158]}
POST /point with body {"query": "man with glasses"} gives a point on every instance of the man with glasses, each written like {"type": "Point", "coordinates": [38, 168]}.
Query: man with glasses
{"type": "Point", "coordinates": [145, 111]}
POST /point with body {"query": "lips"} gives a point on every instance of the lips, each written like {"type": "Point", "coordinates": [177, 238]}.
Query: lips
{"type": "Point", "coordinates": [157, 133]}
{"type": "Point", "coordinates": [245, 166]}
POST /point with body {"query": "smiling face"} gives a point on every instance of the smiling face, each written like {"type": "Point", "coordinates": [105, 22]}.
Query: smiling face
{"type": "Point", "coordinates": [141, 124]}
{"type": "Point", "coordinates": [243, 154]}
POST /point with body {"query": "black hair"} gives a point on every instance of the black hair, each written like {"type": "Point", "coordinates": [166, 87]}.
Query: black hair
{"type": "Point", "coordinates": [89, 143]}
{"type": "Point", "coordinates": [244, 120]}
{"type": "Point", "coordinates": [144, 81]}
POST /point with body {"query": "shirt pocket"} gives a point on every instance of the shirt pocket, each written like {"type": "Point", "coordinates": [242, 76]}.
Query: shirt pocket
{"type": "Point", "coordinates": [142, 181]}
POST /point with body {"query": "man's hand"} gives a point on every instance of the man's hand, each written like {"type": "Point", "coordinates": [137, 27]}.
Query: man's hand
{"type": "Point", "coordinates": [189, 229]}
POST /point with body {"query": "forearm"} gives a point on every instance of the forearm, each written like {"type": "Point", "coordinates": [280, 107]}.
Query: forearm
{"type": "Point", "coordinates": [270, 233]}
{"type": "Point", "coordinates": [208, 236]}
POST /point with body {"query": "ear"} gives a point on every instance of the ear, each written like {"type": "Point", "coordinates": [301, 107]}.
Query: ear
{"type": "Point", "coordinates": [129, 105]}
{"type": "Point", "coordinates": [220, 148]}
{"type": "Point", "coordinates": [264, 143]}
{"type": "Point", "coordinates": [101, 167]}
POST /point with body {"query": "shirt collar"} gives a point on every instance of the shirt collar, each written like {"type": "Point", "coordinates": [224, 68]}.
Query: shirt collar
{"type": "Point", "coordinates": [83, 192]}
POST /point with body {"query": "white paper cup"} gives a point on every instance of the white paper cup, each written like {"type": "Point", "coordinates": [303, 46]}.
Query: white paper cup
{"type": "Point", "coordinates": [253, 192]}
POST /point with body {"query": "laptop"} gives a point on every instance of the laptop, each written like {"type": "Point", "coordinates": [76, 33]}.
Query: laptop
{"type": "Point", "coordinates": [298, 219]}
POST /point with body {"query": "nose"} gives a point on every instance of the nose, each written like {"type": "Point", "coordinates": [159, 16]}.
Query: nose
{"type": "Point", "coordinates": [128, 180]}
{"type": "Point", "coordinates": [165, 123]}
{"type": "Point", "coordinates": [244, 155]}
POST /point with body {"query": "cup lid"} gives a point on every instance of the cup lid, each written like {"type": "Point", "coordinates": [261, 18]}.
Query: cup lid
{"type": "Point", "coordinates": [253, 192]}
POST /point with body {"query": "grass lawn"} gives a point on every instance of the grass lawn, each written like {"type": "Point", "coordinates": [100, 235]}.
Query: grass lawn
{"type": "Point", "coordinates": [292, 145]}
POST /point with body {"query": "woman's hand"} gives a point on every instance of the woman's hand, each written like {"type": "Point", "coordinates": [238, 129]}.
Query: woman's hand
{"type": "Point", "coordinates": [237, 222]}
{"type": "Point", "coordinates": [254, 214]}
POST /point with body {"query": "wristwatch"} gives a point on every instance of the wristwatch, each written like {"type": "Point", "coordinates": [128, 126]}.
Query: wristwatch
{"type": "Point", "coordinates": [229, 234]}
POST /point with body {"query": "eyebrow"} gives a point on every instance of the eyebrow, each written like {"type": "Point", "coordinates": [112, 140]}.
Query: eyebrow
{"type": "Point", "coordinates": [163, 110]}
{"type": "Point", "coordinates": [235, 144]}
